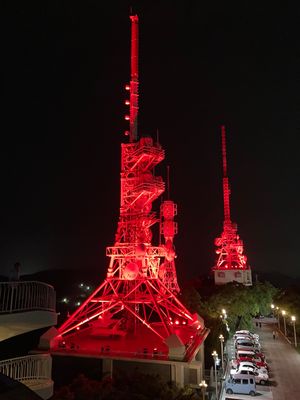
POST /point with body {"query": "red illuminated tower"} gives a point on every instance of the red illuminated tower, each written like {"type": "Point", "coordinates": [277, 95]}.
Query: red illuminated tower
{"type": "Point", "coordinates": [135, 312]}
{"type": "Point", "coordinates": [231, 261]}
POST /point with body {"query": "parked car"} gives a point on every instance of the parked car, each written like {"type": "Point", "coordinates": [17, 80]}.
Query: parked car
{"type": "Point", "coordinates": [249, 351]}
{"type": "Point", "coordinates": [245, 337]}
{"type": "Point", "coordinates": [244, 347]}
{"type": "Point", "coordinates": [255, 359]}
{"type": "Point", "coordinates": [260, 377]}
{"type": "Point", "coordinates": [249, 333]}
{"type": "Point", "coordinates": [241, 371]}
{"type": "Point", "coordinates": [246, 333]}
{"type": "Point", "coordinates": [241, 384]}
{"type": "Point", "coordinates": [247, 343]}
{"type": "Point", "coordinates": [252, 365]}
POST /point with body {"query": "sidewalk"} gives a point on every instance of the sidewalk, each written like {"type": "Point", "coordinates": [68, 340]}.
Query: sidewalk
{"type": "Point", "coordinates": [283, 359]}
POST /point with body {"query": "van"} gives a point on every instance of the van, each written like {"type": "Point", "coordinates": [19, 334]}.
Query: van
{"type": "Point", "coordinates": [242, 384]}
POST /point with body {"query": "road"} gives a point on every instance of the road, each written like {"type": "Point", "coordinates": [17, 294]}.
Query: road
{"type": "Point", "coordinates": [284, 362]}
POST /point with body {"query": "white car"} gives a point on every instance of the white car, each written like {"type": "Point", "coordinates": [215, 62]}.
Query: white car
{"type": "Point", "coordinates": [251, 365]}
{"type": "Point", "coordinates": [260, 377]}
{"type": "Point", "coordinates": [247, 343]}
{"type": "Point", "coordinates": [242, 337]}
{"type": "Point", "coordinates": [246, 336]}
{"type": "Point", "coordinates": [245, 332]}
{"type": "Point", "coordinates": [246, 339]}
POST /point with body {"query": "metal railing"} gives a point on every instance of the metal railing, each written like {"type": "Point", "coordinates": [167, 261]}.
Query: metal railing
{"type": "Point", "coordinates": [26, 296]}
{"type": "Point", "coordinates": [30, 370]}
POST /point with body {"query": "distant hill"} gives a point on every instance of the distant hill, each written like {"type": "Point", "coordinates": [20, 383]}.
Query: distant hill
{"type": "Point", "coordinates": [276, 279]}
{"type": "Point", "coordinates": [64, 279]}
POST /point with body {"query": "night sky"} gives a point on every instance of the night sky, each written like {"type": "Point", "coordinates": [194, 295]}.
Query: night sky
{"type": "Point", "coordinates": [202, 64]}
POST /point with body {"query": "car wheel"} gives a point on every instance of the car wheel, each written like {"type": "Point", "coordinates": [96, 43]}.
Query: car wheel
{"type": "Point", "coordinates": [229, 391]}
{"type": "Point", "coordinates": [252, 393]}
{"type": "Point", "coordinates": [262, 382]}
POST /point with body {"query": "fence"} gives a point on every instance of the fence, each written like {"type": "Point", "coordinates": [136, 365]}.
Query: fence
{"type": "Point", "coordinates": [28, 368]}
{"type": "Point", "coordinates": [26, 296]}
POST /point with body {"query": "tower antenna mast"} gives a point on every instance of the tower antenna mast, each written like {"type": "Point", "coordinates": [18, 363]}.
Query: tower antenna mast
{"type": "Point", "coordinates": [134, 80]}
{"type": "Point", "coordinates": [226, 189]}
{"type": "Point", "coordinates": [136, 306]}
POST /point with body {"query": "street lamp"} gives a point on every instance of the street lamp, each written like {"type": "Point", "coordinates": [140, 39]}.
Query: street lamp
{"type": "Point", "coordinates": [294, 322]}
{"type": "Point", "coordinates": [224, 317]}
{"type": "Point", "coordinates": [284, 324]}
{"type": "Point", "coordinates": [277, 309]}
{"type": "Point", "coordinates": [215, 356]}
{"type": "Point", "coordinates": [221, 337]}
{"type": "Point", "coordinates": [203, 386]}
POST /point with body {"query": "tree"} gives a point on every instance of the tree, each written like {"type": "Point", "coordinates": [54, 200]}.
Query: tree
{"type": "Point", "coordinates": [241, 303]}
{"type": "Point", "coordinates": [124, 386]}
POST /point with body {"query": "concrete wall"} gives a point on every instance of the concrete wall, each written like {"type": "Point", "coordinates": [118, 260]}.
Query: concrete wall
{"type": "Point", "coordinates": [225, 276]}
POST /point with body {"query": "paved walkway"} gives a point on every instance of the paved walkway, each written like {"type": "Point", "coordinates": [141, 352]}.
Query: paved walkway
{"type": "Point", "coordinates": [284, 362]}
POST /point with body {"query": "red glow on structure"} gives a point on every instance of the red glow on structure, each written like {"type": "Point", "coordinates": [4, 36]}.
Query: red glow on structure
{"type": "Point", "coordinates": [134, 81]}
{"type": "Point", "coordinates": [137, 303]}
{"type": "Point", "coordinates": [230, 247]}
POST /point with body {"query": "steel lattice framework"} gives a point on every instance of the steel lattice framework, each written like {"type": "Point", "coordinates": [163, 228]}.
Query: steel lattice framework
{"type": "Point", "coordinates": [140, 289]}
{"type": "Point", "coordinates": [230, 248]}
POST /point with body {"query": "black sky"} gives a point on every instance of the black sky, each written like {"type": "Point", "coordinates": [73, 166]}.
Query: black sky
{"type": "Point", "coordinates": [65, 64]}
